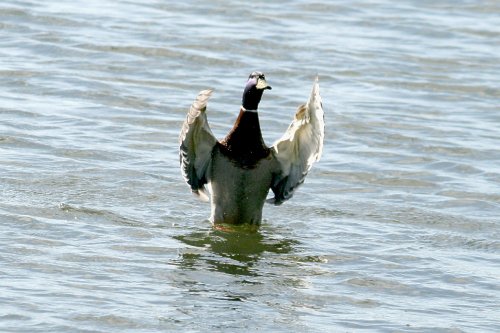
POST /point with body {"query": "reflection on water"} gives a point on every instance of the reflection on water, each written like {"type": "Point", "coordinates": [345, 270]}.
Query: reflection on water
{"type": "Point", "coordinates": [233, 251]}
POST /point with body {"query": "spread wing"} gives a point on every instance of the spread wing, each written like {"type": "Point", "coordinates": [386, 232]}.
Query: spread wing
{"type": "Point", "coordinates": [299, 147]}
{"type": "Point", "coordinates": [196, 142]}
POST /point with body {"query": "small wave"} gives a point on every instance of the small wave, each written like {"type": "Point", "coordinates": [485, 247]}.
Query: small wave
{"type": "Point", "coordinates": [82, 212]}
{"type": "Point", "coordinates": [462, 242]}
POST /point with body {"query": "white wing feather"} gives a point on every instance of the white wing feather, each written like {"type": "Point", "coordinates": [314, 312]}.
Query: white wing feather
{"type": "Point", "coordinates": [299, 147]}
{"type": "Point", "coordinates": [196, 142]}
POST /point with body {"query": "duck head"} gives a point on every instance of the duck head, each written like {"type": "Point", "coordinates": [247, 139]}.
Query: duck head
{"type": "Point", "coordinates": [254, 88]}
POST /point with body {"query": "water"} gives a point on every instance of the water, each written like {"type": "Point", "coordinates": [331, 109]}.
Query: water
{"type": "Point", "coordinates": [395, 230]}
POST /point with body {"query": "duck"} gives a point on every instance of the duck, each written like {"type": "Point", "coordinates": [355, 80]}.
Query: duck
{"type": "Point", "coordinates": [240, 170]}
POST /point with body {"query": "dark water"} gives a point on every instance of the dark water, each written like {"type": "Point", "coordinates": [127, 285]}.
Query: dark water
{"type": "Point", "coordinates": [395, 230]}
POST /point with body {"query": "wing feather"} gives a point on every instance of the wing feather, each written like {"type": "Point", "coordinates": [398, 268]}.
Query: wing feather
{"type": "Point", "coordinates": [196, 142]}
{"type": "Point", "coordinates": [299, 147]}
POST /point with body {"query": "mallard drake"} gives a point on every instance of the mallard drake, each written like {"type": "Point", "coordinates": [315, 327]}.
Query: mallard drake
{"type": "Point", "coordinates": [240, 169]}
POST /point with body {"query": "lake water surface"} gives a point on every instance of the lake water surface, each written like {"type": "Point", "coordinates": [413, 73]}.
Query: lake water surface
{"type": "Point", "coordinates": [396, 229]}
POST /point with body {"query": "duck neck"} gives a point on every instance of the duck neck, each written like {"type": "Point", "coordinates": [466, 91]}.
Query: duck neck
{"type": "Point", "coordinates": [245, 139]}
{"type": "Point", "coordinates": [251, 98]}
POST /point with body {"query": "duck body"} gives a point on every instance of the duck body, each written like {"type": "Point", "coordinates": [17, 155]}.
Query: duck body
{"type": "Point", "coordinates": [240, 169]}
{"type": "Point", "coordinates": [241, 173]}
{"type": "Point", "coordinates": [238, 190]}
